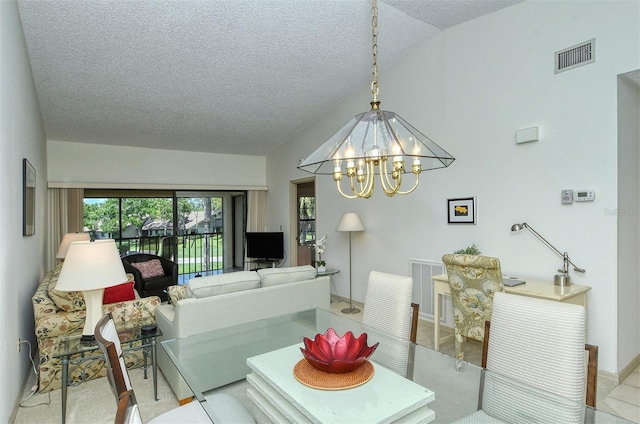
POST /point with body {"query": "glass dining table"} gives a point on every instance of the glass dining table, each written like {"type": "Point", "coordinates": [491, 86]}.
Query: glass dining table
{"type": "Point", "coordinates": [211, 360]}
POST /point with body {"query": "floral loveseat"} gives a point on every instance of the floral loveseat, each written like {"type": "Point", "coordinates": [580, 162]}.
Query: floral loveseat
{"type": "Point", "coordinates": [60, 314]}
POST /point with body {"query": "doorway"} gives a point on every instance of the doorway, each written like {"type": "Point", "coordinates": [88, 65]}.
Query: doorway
{"type": "Point", "coordinates": [304, 228]}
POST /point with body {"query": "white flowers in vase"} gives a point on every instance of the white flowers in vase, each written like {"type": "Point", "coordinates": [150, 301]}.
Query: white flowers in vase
{"type": "Point", "coordinates": [319, 247]}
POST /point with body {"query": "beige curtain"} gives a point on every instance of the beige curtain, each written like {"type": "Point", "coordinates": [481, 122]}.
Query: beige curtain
{"type": "Point", "coordinates": [256, 210]}
{"type": "Point", "coordinates": [65, 207]}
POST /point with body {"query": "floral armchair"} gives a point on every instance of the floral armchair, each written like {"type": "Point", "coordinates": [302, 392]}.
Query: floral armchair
{"type": "Point", "coordinates": [473, 280]}
{"type": "Point", "coordinates": [61, 314]}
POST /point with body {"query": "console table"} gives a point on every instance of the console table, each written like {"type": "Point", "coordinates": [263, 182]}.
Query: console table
{"type": "Point", "coordinates": [256, 264]}
{"type": "Point", "coordinates": [331, 272]}
{"type": "Point", "coordinates": [575, 294]}
{"type": "Point", "coordinates": [131, 339]}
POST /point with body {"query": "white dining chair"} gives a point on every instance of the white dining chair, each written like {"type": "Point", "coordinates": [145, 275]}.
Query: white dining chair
{"type": "Point", "coordinates": [388, 311]}
{"type": "Point", "coordinates": [541, 344]}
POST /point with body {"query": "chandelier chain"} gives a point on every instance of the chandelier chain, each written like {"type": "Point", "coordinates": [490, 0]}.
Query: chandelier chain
{"type": "Point", "coordinates": [374, 48]}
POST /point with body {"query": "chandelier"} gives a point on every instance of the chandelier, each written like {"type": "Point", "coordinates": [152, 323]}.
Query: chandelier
{"type": "Point", "coordinates": [376, 142]}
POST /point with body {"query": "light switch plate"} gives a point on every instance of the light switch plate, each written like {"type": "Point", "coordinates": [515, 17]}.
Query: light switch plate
{"type": "Point", "coordinates": [567, 196]}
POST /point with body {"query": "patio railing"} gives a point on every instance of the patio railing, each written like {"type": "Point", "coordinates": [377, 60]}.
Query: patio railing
{"type": "Point", "coordinates": [194, 253]}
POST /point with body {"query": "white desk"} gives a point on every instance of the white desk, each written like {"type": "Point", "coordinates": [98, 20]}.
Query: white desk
{"type": "Point", "coordinates": [575, 294]}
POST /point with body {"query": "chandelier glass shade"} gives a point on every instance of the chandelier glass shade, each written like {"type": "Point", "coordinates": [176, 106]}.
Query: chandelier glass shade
{"type": "Point", "coordinates": [376, 142]}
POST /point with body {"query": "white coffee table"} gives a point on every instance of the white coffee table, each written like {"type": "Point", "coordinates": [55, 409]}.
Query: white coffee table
{"type": "Point", "coordinates": [387, 397]}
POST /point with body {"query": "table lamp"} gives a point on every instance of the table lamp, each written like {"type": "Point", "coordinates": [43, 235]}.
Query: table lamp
{"type": "Point", "coordinates": [67, 239]}
{"type": "Point", "coordinates": [89, 267]}
{"type": "Point", "coordinates": [563, 279]}
{"type": "Point", "coordinates": [350, 222]}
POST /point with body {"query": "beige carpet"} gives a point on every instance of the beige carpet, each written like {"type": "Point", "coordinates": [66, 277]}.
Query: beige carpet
{"type": "Point", "coordinates": [93, 402]}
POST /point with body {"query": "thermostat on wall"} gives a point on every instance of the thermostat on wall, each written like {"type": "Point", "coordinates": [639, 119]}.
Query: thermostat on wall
{"type": "Point", "coordinates": [584, 195]}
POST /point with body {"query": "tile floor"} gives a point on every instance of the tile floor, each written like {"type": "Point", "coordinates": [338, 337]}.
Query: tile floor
{"type": "Point", "coordinates": [622, 400]}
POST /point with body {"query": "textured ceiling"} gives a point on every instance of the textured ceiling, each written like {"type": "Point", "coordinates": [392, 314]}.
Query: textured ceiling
{"type": "Point", "coordinates": [223, 76]}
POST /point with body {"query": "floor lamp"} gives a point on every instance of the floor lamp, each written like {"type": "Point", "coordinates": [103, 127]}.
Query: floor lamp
{"type": "Point", "coordinates": [350, 222]}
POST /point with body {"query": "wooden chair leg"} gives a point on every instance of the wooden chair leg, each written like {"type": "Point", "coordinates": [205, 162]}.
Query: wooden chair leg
{"type": "Point", "coordinates": [414, 322]}
{"type": "Point", "coordinates": [592, 374]}
{"type": "Point", "coordinates": [126, 402]}
{"type": "Point", "coordinates": [485, 343]}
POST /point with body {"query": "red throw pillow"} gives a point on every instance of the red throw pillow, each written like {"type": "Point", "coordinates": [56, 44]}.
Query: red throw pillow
{"type": "Point", "coordinates": [119, 293]}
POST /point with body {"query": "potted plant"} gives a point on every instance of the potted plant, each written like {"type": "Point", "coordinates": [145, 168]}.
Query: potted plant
{"type": "Point", "coordinates": [470, 250]}
{"type": "Point", "coordinates": [319, 246]}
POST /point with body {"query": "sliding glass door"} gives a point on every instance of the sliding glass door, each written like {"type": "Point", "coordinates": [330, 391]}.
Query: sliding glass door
{"type": "Point", "coordinates": [195, 229]}
{"type": "Point", "coordinates": [200, 234]}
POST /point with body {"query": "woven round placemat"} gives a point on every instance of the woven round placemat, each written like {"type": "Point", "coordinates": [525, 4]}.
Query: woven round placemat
{"type": "Point", "coordinates": [306, 374]}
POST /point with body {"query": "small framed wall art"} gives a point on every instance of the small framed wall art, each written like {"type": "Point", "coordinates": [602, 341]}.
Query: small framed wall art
{"type": "Point", "coordinates": [28, 198]}
{"type": "Point", "coordinates": [462, 210]}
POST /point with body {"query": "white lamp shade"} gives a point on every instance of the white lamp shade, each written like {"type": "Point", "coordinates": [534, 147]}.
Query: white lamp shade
{"type": "Point", "coordinates": [350, 222]}
{"type": "Point", "coordinates": [67, 239]}
{"type": "Point", "coordinates": [91, 265]}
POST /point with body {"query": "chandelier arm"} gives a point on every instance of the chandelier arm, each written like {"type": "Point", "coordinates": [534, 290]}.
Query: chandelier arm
{"type": "Point", "coordinates": [370, 179]}
{"type": "Point", "coordinates": [352, 180]}
{"type": "Point", "coordinates": [389, 188]}
{"type": "Point", "coordinates": [386, 186]}
{"type": "Point", "coordinates": [389, 192]}
{"type": "Point", "coordinates": [366, 187]}
{"type": "Point", "coordinates": [343, 194]}
{"type": "Point", "coordinates": [414, 186]}
{"type": "Point", "coordinates": [384, 178]}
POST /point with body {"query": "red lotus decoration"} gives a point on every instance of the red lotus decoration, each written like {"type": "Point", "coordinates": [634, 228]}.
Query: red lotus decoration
{"type": "Point", "coordinates": [332, 353]}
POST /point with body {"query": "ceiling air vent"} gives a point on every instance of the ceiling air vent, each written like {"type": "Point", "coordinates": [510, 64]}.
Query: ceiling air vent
{"type": "Point", "coordinates": [574, 56]}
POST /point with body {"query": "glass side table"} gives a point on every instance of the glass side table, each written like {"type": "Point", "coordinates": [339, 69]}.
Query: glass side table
{"type": "Point", "coordinates": [331, 272]}
{"type": "Point", "coordinates": [83, 353]}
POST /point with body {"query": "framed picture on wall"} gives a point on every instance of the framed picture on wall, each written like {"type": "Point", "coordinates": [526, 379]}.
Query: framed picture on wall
{"type": "Point", "coordinates": [462, 210]}
{"type": "Point", "coordinates": [28, 198]}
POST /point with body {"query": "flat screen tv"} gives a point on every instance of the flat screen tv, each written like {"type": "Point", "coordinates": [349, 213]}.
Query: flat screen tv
{"type": "Point", "coordinates": [265, 245]}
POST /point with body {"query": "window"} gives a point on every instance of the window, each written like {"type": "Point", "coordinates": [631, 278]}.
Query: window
{"type": "Point", "coordinates": [307, 219]}
{"type": "Point", "coordinates": [146, 221]}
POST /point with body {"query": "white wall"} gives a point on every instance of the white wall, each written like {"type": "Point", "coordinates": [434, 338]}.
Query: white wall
{"type": "Point", "coordinates": [21, 258]}
{"type": "Point", "coordinates": [628, 212]}
{"type": "Point", "coordinates": [470, 89]}
{"type": "Point", "coordinates": [119, 166]}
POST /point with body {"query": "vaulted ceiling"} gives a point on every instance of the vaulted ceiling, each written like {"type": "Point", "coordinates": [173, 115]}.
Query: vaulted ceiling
{"type": "Point", "coordinates": [222, 76]}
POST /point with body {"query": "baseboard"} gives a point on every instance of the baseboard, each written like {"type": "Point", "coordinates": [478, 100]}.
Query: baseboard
{"type": "Point", "coordinates": [346, 300]}
{"type": "Point", "coordinates": [608, 380]}
{"type": "Point", "coordinates": [626, 371]}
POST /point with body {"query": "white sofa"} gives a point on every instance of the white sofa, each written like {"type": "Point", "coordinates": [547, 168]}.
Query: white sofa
{"type": "Point", "coordinates": [219, 301]}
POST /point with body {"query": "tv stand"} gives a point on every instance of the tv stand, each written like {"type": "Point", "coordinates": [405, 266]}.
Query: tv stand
{"type": "Point", "coordinates": [256, 264]}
